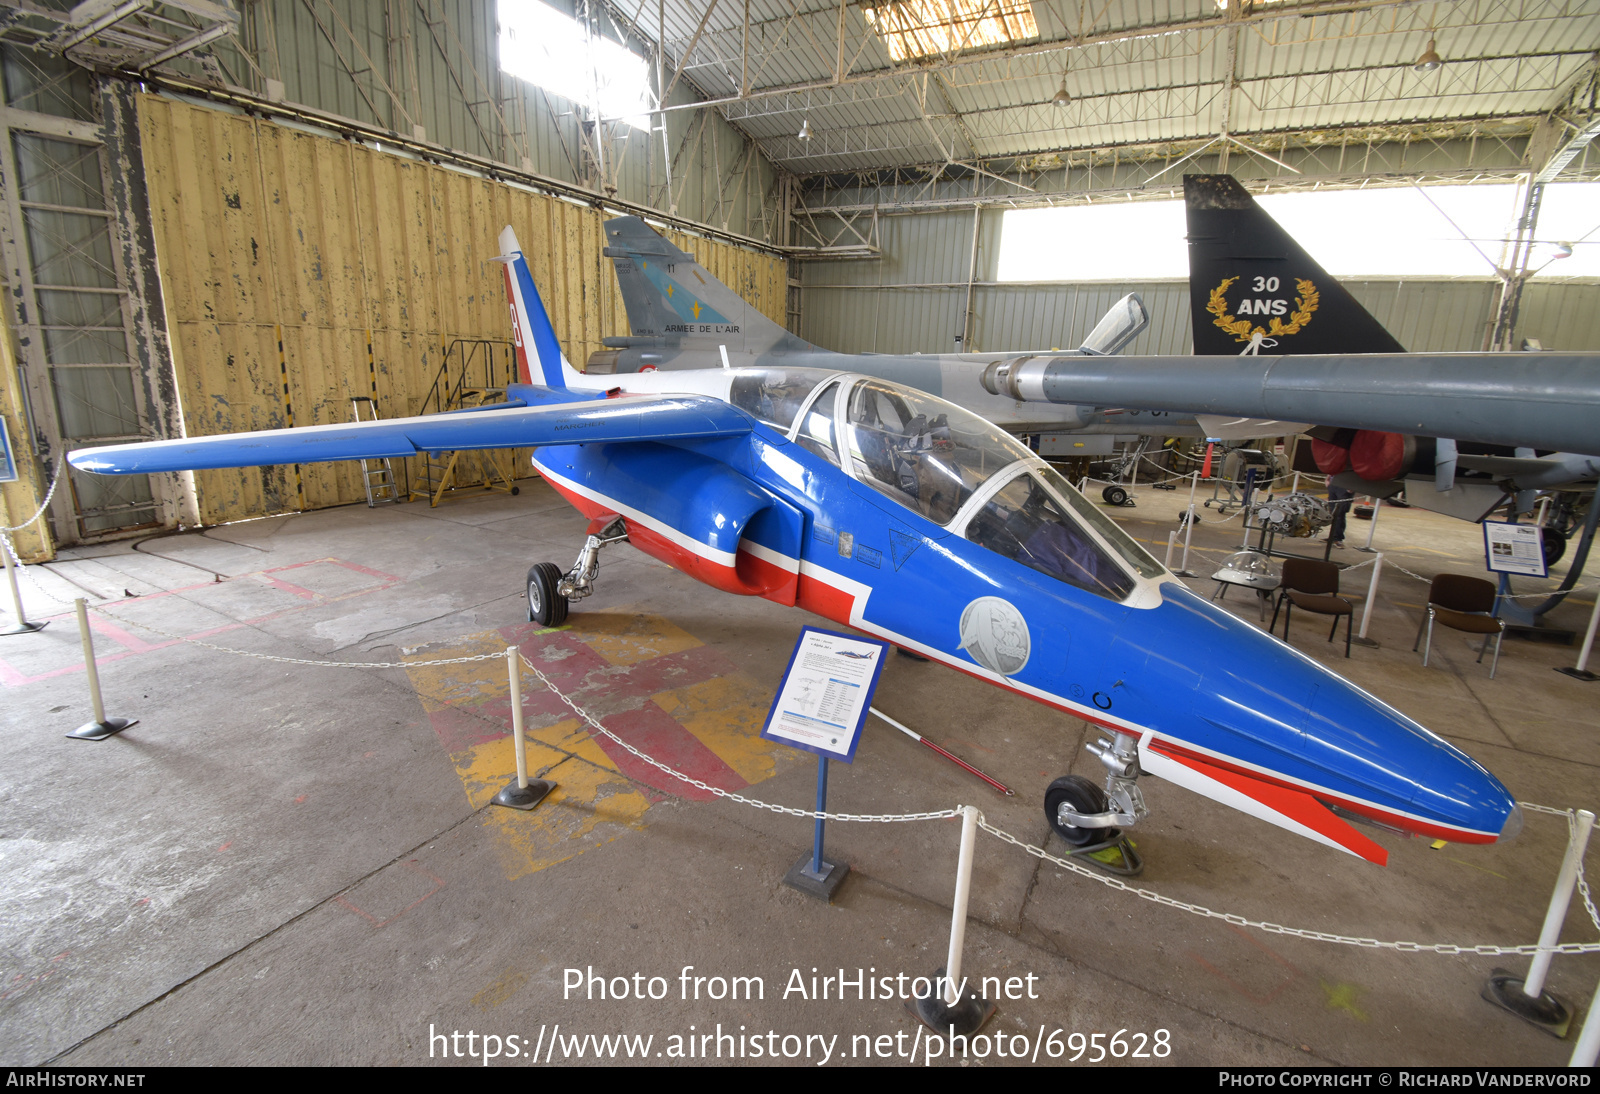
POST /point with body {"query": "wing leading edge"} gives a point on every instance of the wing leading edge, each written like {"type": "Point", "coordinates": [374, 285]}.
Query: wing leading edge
{"type": "Point", "coordinates": [634, 418]}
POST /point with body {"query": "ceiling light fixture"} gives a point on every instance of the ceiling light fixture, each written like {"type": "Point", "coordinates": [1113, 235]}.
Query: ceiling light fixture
{"type": "Point", "coordinates": [1429, 60]}
{"type": "Point", "coordinates": [805, 130]}
{"type": "Point", "coordinates": [1062, 98]}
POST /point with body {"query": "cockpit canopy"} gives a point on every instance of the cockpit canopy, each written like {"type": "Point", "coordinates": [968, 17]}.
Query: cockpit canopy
{"type": "Point", "coordinates": [952, 467]}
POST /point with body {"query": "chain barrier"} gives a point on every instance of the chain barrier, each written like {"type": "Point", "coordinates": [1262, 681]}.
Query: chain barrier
{"type": "Point", "coordinates": [499, 656]}
{"type": "Point", "coordinates": [43, 505]}
{"type": "Point", "coordinates": [943, 814]}
{"type": "Point", "coordinates": [1503, 596]}
{"type": "Point", "coordinates": [881, 818]}
{"type": "Point", "coordinates": [27, 573]}
{"type": "Point", "coordinates": [1278, 928]}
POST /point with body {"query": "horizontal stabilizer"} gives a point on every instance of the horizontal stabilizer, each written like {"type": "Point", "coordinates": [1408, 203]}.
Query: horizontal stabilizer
{"type": "Point", "coordinates": [634, 418]}
{"type": "Point", "coordinates": [1220, 428]}
{"type": "Point", "coordinates": [1294, 810]}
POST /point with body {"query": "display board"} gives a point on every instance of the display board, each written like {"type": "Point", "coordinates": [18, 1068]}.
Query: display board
{"type": "Point", "coordinates": [1514, 548]}
{"type": "Point", "coordinates": [825, 693]}
{"type": "Point", "coordinates": [8, 461]}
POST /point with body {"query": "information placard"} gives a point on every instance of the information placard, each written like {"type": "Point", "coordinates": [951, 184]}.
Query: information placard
{"type": "Point", "coordinates": [8, 462]}
{"type": "Point", "coordinates": [1514, 548]}
{"type": "Point", "coordinates": [826, 691]}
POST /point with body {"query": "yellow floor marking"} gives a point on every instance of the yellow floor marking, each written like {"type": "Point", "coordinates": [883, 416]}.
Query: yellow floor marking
{"type": "Point", "coordinates": [727, 714]}
{"type": "Point", "coordinates": [440, 686]}
{"type": "Point", "coordinates": [502, 988]}
{"type": "Point", "coordinates": [1475, 866]}
{"type": "Point", "coordinates": [593, 803]}
{"type": "Point", "coordinates": [590, 806]}
{"type": "Point", "coordinates": [1343, 997]}
{"type": "Point", "coordinates": [625, 638]}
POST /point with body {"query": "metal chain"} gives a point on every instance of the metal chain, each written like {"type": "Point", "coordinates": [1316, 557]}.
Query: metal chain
{"type": "Point", "coordinates": [299, 660]}
{"type": "Point", "coordinates": [27, 573]}
{"type": "Point", "coordinates": [43, 505]}
{"type": "Point", "coordinates": [1503, 596]}
{"type": "Point", "coordinates": [1278, 928]}
{"type": "Point", "coordinates": [882, 818]}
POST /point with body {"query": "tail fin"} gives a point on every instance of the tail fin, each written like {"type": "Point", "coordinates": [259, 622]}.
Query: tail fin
{"type": "Point", "coordinates": [672, 301]}
{"type": "Point", "coordinates": [1251, 283]}
{"type": "Point", "coordinates": [539, 356]}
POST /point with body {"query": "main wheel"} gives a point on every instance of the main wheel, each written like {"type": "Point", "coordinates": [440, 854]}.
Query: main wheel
{"type": "Point", "coordinates": [1081, 796]}
{"type": "Point", "coordinates": [546, 606]}
{"type": "Point", "coordinates": [1114, 495]}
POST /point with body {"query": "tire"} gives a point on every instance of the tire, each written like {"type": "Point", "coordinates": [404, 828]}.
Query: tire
{"type": "Point", "coordinates": [1114, 495]}
{"type": "Point", "coordinates": [546, 606]}
{"type": "Point", "coordinates": [1082, 796]}
{"type": "Point", "coordinates": [1555, 545]}
{"type": "Point", "coordinates": [515, 490]}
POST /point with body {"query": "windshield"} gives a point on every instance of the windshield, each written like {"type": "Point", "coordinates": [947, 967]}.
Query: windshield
{"type": "Point", "coordinates": [1022, 521]}
{"type": "Point", "coordinates": [775, 395]}
{"type": "Point", "coordinates": [1120, 541]}
{"type": "Point", "coordinates": [923, 452]}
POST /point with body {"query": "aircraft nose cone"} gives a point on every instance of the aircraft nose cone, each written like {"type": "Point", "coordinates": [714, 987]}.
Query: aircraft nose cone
{"type": "Point", "coordinates": [1513, 825]}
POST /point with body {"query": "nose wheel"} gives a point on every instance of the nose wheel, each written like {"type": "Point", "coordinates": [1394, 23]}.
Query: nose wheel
{"type": "Point", "coordinates": [1092, 820]}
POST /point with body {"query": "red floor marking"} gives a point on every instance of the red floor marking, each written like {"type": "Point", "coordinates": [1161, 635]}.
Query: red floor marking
{"type": "Point", "coordinates": [134, 646]}
{"type": "Point", "coordinates": [658, 734]}
{"type": "Point", "coordinates": [229, 844]}
{"type": "Point", "coordinates": [1293, 975]}
{"type": "Point", "coordinates": [438, 884]}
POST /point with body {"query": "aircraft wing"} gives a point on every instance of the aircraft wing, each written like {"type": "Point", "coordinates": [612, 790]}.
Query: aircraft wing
{"type": "Point", "coordinates": [633, 418]}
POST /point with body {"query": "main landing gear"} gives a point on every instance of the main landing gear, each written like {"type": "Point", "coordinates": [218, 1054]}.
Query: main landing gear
{"type": "Point", "coordinates": [550, 591]}
{"type": "Point", "coordinates": [1088, 818]}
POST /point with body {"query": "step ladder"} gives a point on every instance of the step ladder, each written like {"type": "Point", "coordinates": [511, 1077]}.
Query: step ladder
{"type": "Point", "coordinates": [376, 475]}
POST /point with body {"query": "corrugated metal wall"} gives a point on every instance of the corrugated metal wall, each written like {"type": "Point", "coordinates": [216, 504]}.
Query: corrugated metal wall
{"type": "Point", "coordinates": [262, 230]}
{"type": "Point", "coordinates": [911, 300]}
{"type": "Point", "coordinates": [440, 58]}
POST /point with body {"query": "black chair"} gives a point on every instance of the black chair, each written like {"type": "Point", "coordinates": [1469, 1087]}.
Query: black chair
{"type": "Point", "coordinates": [1463, 604]}
{"type": "Point", "coordinates": [1313, 586]}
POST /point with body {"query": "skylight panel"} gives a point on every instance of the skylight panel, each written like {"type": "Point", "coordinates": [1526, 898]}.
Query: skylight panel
{"type": "Point", "coordinates": [551, 49]}
{"type": "Point", "coordinates": [922, 28]}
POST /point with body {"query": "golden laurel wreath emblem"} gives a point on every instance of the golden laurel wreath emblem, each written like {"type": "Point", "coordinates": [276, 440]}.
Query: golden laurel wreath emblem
{"type": "Point", "coordinates": [1242, 329]}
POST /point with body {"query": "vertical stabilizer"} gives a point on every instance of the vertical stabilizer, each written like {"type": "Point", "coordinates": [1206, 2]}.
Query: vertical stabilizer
{"type": "Point", "coordinates": [673, 302]}
{"type": "Point", "coordinates": [539, 356]}
{"type": "Point", "coordinates": [1250, 282]}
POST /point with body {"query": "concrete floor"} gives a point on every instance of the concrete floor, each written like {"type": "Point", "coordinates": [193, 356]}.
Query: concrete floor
{"type": "Point", "coordinates": [288, 863]}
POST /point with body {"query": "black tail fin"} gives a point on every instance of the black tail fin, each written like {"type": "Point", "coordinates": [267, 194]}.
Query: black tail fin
{"type": "Point", "coordinates": [1249, 281]}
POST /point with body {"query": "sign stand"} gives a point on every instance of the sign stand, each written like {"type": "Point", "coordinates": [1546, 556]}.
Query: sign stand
{"type": "Point", "coordinates": [813, 874]}
{"type": "Point", "coordinates": [821, 705]}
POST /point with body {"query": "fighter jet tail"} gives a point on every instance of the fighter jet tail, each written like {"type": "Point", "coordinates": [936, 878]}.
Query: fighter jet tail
{"type": "Point", "coordinates": [674, 303]}
{"type": "Point", "coordinates": [1251, 284]}
{"type": "Point", "coordinates": [539, 356]}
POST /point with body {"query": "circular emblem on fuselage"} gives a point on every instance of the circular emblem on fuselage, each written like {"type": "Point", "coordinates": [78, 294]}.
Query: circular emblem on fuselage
{"type": "Point", "coordinates": [994, 633]}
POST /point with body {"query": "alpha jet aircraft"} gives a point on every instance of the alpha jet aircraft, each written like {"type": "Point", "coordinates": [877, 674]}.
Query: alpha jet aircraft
{"type": "Point", "coordinates": [886, 509]}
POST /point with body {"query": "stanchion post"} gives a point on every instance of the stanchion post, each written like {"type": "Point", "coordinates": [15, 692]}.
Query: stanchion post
{"type": "Point", "coordinates": [813, 874]}
{"type": "Point", "coordinates": [1525, 996]}
{"type": "Point", "coordinates": [1372, 596]}
{"type": "Point", "coordinates": [1588, 1046]}
{"type": "Point", "coordinates": [1172, 541]}
{"type": "Point", "coordinates": [21, 626]}
{"type": "Point", "coordinates": [1372, 525]}
{"type": "Point", "coordinates": [1581, 672]}
{"type": "Point", "coordinates": [1295, 489]}
{"type": "Point", "coordinates": [102, 727]}
{"type": "Point", "coordinates": [1188, 534]}
{"type": "Point", "coordinates": [946, 1010]}
{"type": "Point", "coordinates": [524, 793]}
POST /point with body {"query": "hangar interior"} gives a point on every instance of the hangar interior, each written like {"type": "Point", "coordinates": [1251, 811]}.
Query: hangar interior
{"type": "Point", "coordinates": [223, 217]}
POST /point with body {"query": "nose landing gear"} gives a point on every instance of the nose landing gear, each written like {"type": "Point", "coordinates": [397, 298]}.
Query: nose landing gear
{"type": "Point", "coordinates": [1088, 818]}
